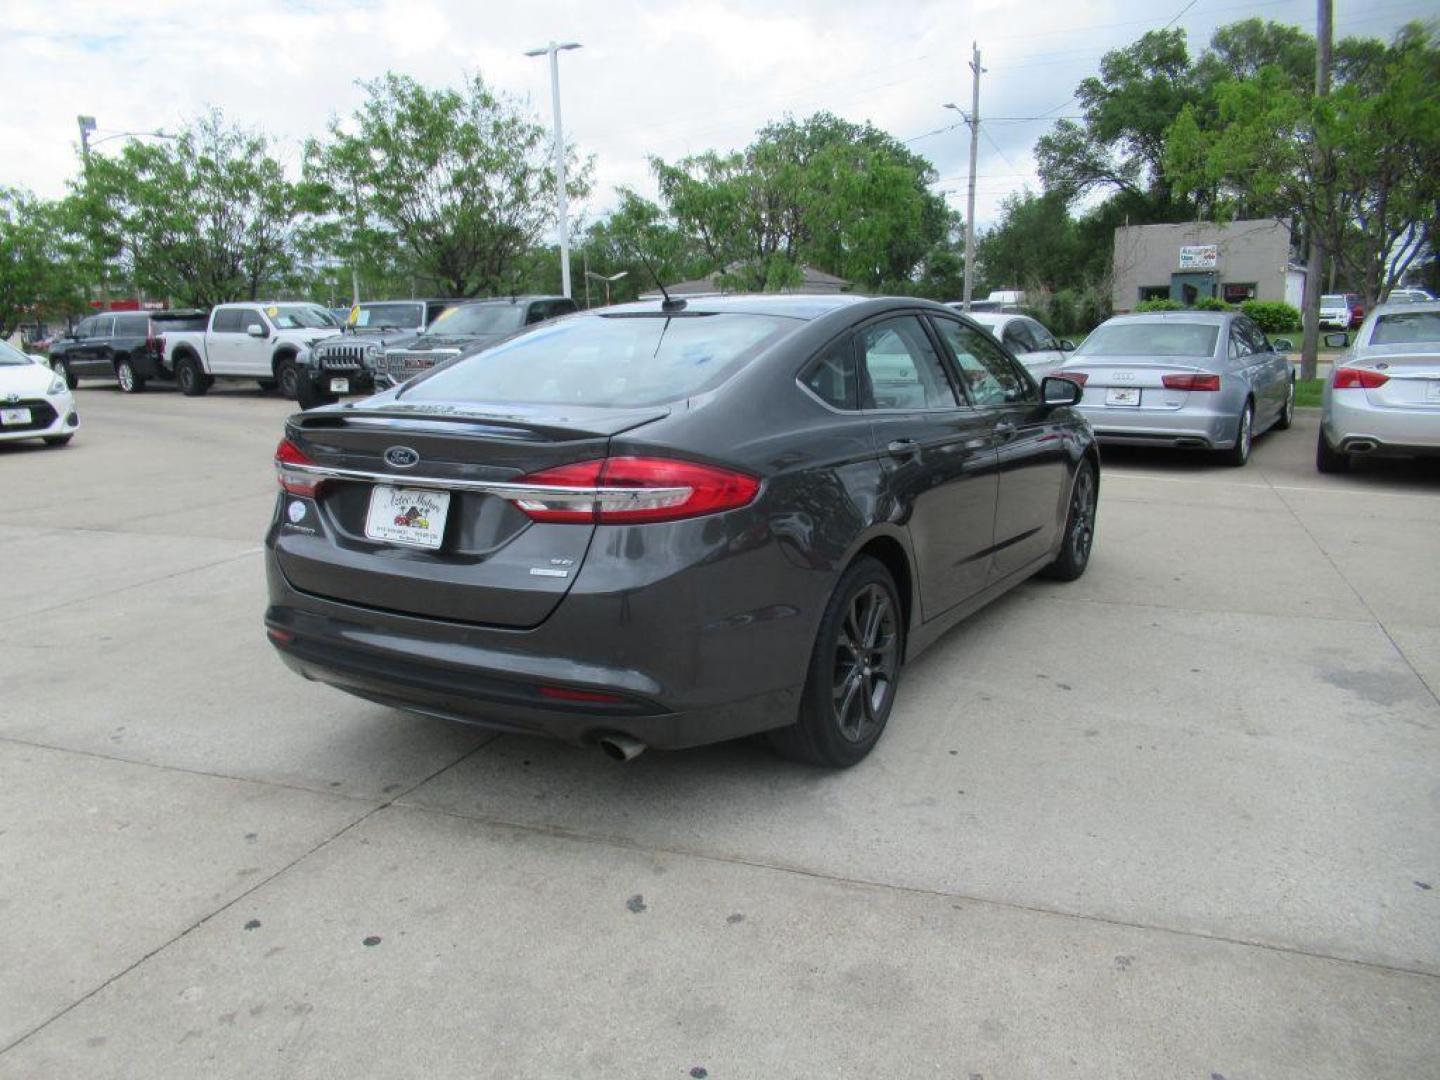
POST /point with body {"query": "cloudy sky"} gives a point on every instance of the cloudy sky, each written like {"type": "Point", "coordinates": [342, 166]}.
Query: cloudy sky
{"type": "Point", "coordinates": [665, 77]}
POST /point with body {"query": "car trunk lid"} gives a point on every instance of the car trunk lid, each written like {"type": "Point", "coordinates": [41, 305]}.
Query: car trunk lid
{"type": "Point", "coordinates": [1412, 379]}
{"type": "Point", "coordinates": [1144, 374]}
{"type": "Point", "coordinates": [494, 565]}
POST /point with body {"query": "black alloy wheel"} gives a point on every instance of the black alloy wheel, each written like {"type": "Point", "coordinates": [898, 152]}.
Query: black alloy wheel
{"type": "Point", "coordinates": [854, 672]}
{"type": "Point", "coordinates": [287, 376]}
{"type": "Point", "coordinates": [1079, 537]}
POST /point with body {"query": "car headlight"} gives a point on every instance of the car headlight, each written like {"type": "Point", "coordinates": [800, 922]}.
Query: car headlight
{"type": "Point", "coordinates": [57, 386]}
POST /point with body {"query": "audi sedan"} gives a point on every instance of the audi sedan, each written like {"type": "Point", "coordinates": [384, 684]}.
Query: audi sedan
{"type": "Point", "coordinates": [1195, 379]}
{"type": "Point", "coordinates": [1383, 398]}
{"type": "Point", "coordinates": [671, 523]}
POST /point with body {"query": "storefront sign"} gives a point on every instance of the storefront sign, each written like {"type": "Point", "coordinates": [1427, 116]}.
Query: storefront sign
{"type": "Point", "coordinates": [1199, 257]}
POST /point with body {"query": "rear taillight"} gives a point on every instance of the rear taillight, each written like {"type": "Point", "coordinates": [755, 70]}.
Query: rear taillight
{"type": "Point", "coordinates": [287, 456]}
{"type": "Point", "coordinates": [633, 491]}
{"type": "Point", "coordinates": [1190, 382]}
{"type": "Point", "coordinates": [1348, 378]}
{"type": "Point", "coordinates": [1077, 377]}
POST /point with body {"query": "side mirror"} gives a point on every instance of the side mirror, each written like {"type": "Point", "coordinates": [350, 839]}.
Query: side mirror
{"type": "Point", "coordinates": [1282, 344]}
{"type": "Point", "coordinates": [1336, 341]}
{"type": "Point", "coordinates": [255, 330]}
{"type": "Point", "coordinates": [1066, 345]}
{"type": "Point", "coordinates": [1055, 391]}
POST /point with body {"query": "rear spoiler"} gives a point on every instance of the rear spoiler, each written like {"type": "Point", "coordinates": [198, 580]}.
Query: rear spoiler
{"type": "Point", "coordinates": [555, 426]}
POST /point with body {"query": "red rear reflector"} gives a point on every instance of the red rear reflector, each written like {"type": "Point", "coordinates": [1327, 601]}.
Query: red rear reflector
{"type": "Point", "coordinates": [295, 482]}
{"type": "Point", "coordinates": [1190, 382]}
{"type": "Point", "coordinates": [634, 490]}
{"type": "Point", "coordinates": [595, 697]}
{"type": "Point", "coordinates": [1348, 378]}
{"type": "Point", "coordinates": [1078, 377]}
{"type": "Point", "coordinates": [282, 636]}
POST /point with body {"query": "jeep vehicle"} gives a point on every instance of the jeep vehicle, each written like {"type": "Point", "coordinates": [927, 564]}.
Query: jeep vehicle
{"type": "Point", "coordinates": [465, 328]}
{"type": "Point", "coordinates": [346, 363]}
{"type": "Point", "coordinates": [259, 341]}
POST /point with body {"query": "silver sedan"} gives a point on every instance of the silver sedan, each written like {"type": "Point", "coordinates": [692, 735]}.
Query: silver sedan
{"type": "Point", "coordinates": [1207, 380]}
{"type": "Point", "coordinates": [1383, 397]}
{"type": "Point", "coordinates": [1028, 340]}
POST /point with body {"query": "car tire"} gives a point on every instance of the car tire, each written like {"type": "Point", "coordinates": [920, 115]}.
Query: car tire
{"type": "Point", "coordinates": [311, 396]}
{"type": "Point", "coordinates": [59, 440]}
{"type": "Point", "coordinates": [267, 384]}
{"type": "Point", "coordinates": [125, 376]}
{"type": "Point", "coordinates": [287, 377]}
{"type": "Point", "coordinates": [1287, 414]}
{"type": "Point", "coordinates": [844, 707]}
{"type": "Point", "coordinates": [1239, 454]}
{"type": "Point", "coordinates": [1328, 459]}
{"type": "Point", "coordinates": [192, 380]}
{"type": "Point", "coordinates": [61, 368]}
{"type": "Point", "coordinates": [1079, 538]}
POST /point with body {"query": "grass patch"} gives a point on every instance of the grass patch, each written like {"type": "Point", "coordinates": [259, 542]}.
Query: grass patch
{"type": "Point", "coordinates": [1307, 393]}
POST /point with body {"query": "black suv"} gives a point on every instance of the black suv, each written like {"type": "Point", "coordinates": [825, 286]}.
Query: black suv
{"type": "Point", "coordinates": [127, 346]}
{"type": "Point", "coordinates": [344, 364]}
{"type": "Point", "coordinates": [467, 327]}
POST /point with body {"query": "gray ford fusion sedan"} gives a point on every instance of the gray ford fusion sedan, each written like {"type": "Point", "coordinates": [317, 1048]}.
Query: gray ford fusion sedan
{"type": "Point", "coordinates": [1205, 380]}
{"type": "Point", "coordinates": [672, 523]}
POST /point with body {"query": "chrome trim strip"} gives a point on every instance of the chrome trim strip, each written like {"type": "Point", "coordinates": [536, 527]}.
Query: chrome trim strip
{"type": "Point", "coordinates": [485, 487]}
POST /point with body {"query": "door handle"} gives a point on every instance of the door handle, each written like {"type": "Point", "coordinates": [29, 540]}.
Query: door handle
{"type": "Point", "coordinates": [903, 448]}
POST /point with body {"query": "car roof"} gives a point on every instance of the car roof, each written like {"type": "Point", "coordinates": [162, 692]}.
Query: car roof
{"type": "Point", "coordinates": [1406, 307]}
{"type": "Point", "coordinates": [1205, 318]}
{"type": "Point", "coordinates": [792, 305]}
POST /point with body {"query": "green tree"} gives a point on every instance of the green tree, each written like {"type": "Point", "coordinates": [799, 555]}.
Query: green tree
{"type": "Point", "coordinates": [207, 218]}
{"type": "Point", "coordinates": [460, 182]}
{"type": "Point", "coordinates": [848, 198]}
{"type": "Point", "coordinates": [38, 266]}
{"type": "Point", "coordinates": [1035, 243]}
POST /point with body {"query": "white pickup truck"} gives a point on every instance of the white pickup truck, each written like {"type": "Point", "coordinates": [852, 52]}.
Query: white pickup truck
{"type": "Point", "coordinates": [257, 341]}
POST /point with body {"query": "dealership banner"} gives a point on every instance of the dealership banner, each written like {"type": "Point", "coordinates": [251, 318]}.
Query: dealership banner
{"type": "Point", "coordinates": [1199, 257]}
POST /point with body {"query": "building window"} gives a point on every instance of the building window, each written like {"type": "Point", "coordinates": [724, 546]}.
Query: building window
{"type": "Point", "coordinates": [1154, 292]}
{"type": "Point", "coordinates": [1238, 293]}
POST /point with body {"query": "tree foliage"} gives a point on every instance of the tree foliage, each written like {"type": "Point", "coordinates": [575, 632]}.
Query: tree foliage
{"type": "Point", "coordinates": [206, 218]}
{"type": "Point", "coordinates": [461, 182]}
{"type": "Point", "coordinates": [38, 266]}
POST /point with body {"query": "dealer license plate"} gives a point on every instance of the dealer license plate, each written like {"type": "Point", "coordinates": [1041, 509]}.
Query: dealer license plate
{"type": "Point", "coordinates": [411, 516]}
{"type": "Point", "coordinates": [339, 386]}
{"type": "Point", "coordinates": [14, 416]}
{"type": "Point", "coordinates": [1122, 395]}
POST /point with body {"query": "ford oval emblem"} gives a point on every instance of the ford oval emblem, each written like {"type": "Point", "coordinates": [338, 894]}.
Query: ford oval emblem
{"type": "Point", "coordinates": [401, 457]}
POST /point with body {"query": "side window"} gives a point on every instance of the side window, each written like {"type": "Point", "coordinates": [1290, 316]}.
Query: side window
{"type": "Point", "coordinates": [104, 327]}
{"type": "Point", "coordinates": [902, 370]}
{"type": "Point", "coordinates": [1259, 343]}
{"type": "Point", "coordinates": [247, 317]}
{"type": "Point", "coordinates": [1044, 340]}
{"type": "Point", "coordinates": [537, 313]}
{"type": "Point", "coordinates": [832, 377]}
{"type": "Point", "coordinates": [85, 329]}
{"type": "Point", "coordinates": [1017, 340]}
{"type": "Point", "coordinates": [227, 321]}
{"type": "Point", "coordinates": [132, 325]}
{"type": "Point", "coordinates": [1238, 347]}
{"type": "Point", "coordinates": [989, 376]}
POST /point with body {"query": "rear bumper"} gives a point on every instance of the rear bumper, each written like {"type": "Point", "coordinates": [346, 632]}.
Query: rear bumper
{"type": "Point", "coordinates": [1351, 423]}
{"type": "Point", "coordinates": [1191, 425]}
{"type": "Point", "coordinates": [685, 677]}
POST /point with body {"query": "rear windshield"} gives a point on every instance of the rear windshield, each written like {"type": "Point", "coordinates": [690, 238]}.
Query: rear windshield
{"type": "Point", "coordinates": [399, 316]}
{"type": "Point", "coordinates": [1151, 339]}
{"type": "Point", "coordinates": [479, 319]}
{"type": "Point", "coordinates": [613, 360]}
{"type": "Point", "coordinates": [1406, 327]}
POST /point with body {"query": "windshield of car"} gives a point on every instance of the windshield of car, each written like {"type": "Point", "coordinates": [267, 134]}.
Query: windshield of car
{"type": "Point", "coordinates": [1151, 339]}
{"type": "Point", "coordinates": [299, 317]}
{"type": "Point", "coordinates": [479, 319]}
{"type": "Point", "coordinates": [11, 356]}
{"type": "Point", "coordinates": [1404, 328]}
{"type": "Point", "coordinates": [615, 360]}
{"type": "Point", "coordinates": [401, 316]}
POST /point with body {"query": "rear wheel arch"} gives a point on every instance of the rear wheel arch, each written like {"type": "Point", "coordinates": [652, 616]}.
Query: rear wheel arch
{"type": "Point", "coordinates": [891, 554]}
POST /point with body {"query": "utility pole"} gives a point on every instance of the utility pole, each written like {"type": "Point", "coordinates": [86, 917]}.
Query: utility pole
{"type": "Point", "coordinates": [1315, 255]}
{"type": "Point", "coordinates": [973, 119]}
{"type": "Point", "coordinates": [87, 127]}
{"type": "Point", "coordinates": [554, 50]}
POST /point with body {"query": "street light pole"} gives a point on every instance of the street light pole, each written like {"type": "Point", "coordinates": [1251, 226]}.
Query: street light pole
{"type": "Point", "coordinates": [554, 50]}
{"type": "Point", "coordinates": [974, 121]}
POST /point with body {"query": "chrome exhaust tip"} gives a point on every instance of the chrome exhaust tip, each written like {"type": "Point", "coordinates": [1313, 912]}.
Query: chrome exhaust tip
{"type": "Point", "coordinates": [1360, 446]}
{"type": "Point", "coordinates": [620, 747]}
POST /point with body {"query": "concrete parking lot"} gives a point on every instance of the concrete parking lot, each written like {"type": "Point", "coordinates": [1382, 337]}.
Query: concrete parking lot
{"type": "Point", "coordinates": [1177, 819]}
